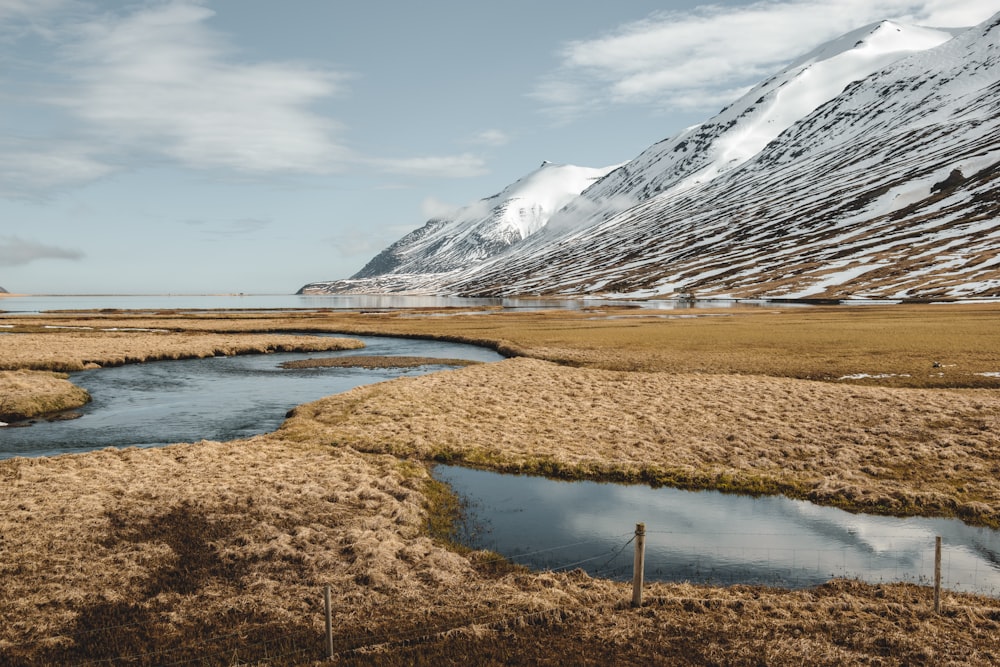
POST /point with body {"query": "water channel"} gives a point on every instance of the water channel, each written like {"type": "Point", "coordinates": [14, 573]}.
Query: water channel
{"type": "Point", "coordinates": [219, 398]}
{"type": "Point", "coordinates": [705, 536]}
{"type": "Point", "coordinates": [711, 537]}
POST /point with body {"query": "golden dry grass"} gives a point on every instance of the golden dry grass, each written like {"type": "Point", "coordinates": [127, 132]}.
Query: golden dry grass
{"type": "Point", "coordinates": [206, 551]}
{"type": "Point", "coordinates": [174, 541]}
{"type": "Point", "coordinates": [25, 394]}
{"type": "Point", "coordinates": [217, 552]}
{"type": "Point", "coordinates": [74, 350]}
{"type": "Point", "coordinates": [876, 449]}
{"type": "Point", "coordinates": [900, 343]}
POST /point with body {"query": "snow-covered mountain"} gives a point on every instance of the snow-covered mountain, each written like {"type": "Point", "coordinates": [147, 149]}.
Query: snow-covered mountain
{"type": "Point", "coordinates": [868, 168]}
{"type": "Point", "coordinates": [474, 233]}
{"type": "Point", "coordinates": [745, 127]}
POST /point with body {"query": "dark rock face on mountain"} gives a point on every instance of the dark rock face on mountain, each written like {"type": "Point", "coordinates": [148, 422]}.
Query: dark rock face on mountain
{"type": "Point", "coordinates": [869, 168]}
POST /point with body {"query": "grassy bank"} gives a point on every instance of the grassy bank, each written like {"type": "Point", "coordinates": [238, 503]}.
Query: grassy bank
{"type": "Point", "coordinates": [882, 450]}
{"type": "Point", "coordinates": [26, 394]}
{"type": "Point", "coordinates": [76, 350]}
{"type": "Point", "coordinates": [217, 553]}
{"type": "Point", "coordinates": [158, 552]}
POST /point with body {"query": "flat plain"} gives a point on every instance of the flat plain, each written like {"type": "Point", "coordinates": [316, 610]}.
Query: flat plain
{"type": "Point", "coordinates": [218, 552]}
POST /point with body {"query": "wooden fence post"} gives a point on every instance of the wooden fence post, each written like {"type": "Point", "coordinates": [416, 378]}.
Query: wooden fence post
{"type": "Point", "coordinates": [329, 623]}
{"type": "Point", "coordinates": [937, 574]}
{"type": "Point", "coordinates": [639, 564]}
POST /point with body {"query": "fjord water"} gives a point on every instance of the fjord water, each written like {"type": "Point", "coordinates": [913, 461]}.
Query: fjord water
{"type": "Point", "coordinates": [219, 398]}
{"type": "Point", "coordinates": [711, 537]}
{"type": "Point", "coordinates": [25, 305]}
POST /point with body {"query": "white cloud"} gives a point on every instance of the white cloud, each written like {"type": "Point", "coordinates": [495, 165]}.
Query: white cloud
{"type": "Point", "coordinates": [31, 169]}
{"type": "Point", "coordinates": [491, 138]}
{"type": "Point", "coordinates": [231, 228]}
{"type": "Point", "coordinates": [28, 9]}
{"type": "Point", "coordinates": [465, 165]}
{"type": "Point", "coordinates": [160, 81]}
{"type": "Point", "coordinates": [15, 251]}
{"type": "Point", "coordinates": [432, 207]}
{"type": "Point", "coordinates": [689, 60]}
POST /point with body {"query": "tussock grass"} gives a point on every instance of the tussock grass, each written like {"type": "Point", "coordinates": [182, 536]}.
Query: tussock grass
{"type": "Point", "coordinates": [25, 394]}
{"type": "Point", "coordinates": [188, 542]}
{"type": "Point", "coordinates": [73, 350]}
{"type": "Point", "coordinates": [218, 552]}
{"type": "Point", "coordinates": [890, 451]}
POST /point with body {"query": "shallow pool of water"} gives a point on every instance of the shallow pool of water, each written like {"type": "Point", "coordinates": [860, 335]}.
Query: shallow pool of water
{"type": "Point", "coordinates": [712, 537]}
{"type": "Point", "coordinates": [220, 398]}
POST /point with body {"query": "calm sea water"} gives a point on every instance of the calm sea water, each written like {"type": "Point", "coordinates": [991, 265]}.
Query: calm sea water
{"type": "Point", "coordinates": [154, 302]}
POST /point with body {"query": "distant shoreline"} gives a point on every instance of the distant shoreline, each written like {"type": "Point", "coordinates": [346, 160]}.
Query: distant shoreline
{"type": "Point", "coordinates": [156, 294]}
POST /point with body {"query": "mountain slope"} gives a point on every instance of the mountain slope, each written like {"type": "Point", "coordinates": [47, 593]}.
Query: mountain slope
{"type": "Point", "coordinates": [744, 128]}
{"type": "Point", "coordinates": [867, 168]}
{"type": "Point", "coordinates": [888, 191]}
{"type": "Point", "coordinates": [476, 232]}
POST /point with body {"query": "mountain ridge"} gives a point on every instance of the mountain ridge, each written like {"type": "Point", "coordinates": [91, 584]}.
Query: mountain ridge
{"type": "Point", "coordinates": [479, 230]}
{"type": "Point", "coordinates": [737, 207]}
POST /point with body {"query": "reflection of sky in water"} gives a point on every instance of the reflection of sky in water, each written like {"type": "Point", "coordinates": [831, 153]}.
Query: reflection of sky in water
{"type": "Point", "coordinates": [711, 536]}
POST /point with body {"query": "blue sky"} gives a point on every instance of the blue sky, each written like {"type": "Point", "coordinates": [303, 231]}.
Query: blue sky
{"type": "Point", "coordinates": [254, 145]}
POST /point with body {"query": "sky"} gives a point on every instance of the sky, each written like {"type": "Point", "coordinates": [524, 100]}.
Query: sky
{"type": "Point", "coordinates": [253, 146]}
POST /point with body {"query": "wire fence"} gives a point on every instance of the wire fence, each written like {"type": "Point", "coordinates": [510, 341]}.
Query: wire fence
{"type": "Point", "coordinates": [774, 559]}
{"type": "Point", "coordinates": [672, 556]}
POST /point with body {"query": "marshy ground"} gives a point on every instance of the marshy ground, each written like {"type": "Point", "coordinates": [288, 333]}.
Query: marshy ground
{"type": "Point", "coordinates": [215, 553]}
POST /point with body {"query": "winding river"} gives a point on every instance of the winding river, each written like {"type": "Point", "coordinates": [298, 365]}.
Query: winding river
{"type": "Point", "coordinates": [705, 536]}
{"type": "Point", "coordinates": [219, 398]}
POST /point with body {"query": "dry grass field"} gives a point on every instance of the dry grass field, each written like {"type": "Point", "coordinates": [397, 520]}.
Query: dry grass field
{"type": "Point", "coordinates": [217, 553]}
{"type": "Point", "coordinates": [74, 350]}
{"type": "Point", "coordinates": [893, 345]}
{"type": "Point", "coordinates": [25, 394]}
{"type": "Point", "coordinates": [882, 450]}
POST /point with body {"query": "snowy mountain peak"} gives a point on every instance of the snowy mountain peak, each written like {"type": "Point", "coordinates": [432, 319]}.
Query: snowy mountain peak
{"type": "Point", "coordinates": [869, 167]}
{"type": "Point", "coordinates": [477, 231]}
{"type": "Point", "coordinates": [745, 127]}
{"type": "Point", "coordinates": [891, 189]}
